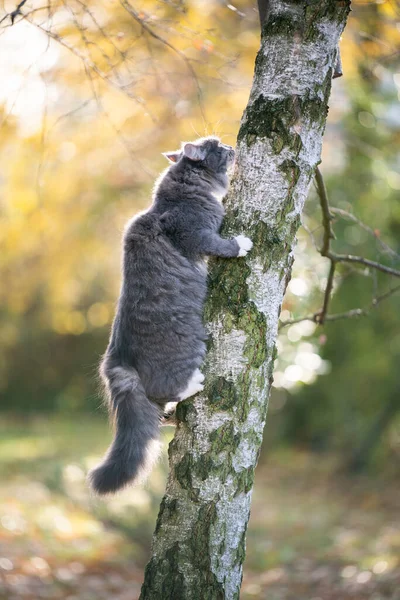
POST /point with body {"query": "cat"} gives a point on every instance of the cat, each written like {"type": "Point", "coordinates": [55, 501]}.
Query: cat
{"type": "Point", "coordinates": [157, 342]}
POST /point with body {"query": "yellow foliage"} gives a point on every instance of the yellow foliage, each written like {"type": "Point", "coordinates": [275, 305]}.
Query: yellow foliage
{"type": "Point", "coordinates": [94, 103]}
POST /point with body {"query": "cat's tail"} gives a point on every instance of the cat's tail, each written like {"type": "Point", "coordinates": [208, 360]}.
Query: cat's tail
{"type": "Point", "coordinates": [136, 444]}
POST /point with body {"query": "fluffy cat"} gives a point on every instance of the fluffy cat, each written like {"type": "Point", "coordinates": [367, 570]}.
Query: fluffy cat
{"type": "Point", "coordinates": [157, 342]}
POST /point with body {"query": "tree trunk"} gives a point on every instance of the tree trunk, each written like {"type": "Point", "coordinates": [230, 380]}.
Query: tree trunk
{"type": "Point", "coordinates": [199, 541]}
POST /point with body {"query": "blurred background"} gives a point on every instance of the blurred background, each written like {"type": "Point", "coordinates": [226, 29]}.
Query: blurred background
{"type": "Point", "coordinates": [91, 94]}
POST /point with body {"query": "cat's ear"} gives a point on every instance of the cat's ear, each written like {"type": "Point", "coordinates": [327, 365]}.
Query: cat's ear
{"type": "Point", "coordinates": [194, 152]}
{"type": "Point", "coordinates": [173, 157]}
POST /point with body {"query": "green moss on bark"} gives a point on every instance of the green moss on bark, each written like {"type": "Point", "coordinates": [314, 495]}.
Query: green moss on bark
{"type": "Point", "coordinates": [275, 118]}
{"type": "Point", "coordinates": [245, 480]}
{"type": "Point", "coordinates": [227, 288]}
{"type": "Point", "coordinates": [254, 324]}
{"type": "Point", "coordinates": [221, 393]}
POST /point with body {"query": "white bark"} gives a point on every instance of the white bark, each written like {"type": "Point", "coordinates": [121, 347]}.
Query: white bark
{"type": "Point", "coordinates": [198, 547]}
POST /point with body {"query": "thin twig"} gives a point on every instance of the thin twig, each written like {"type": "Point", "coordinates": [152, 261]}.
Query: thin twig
{"type": "Point", "coordinates": [87, 63]}
{"type": "Point", "coordinates": [329, 235]}
{"type": "Point", "coordinates": [14, 14]}
{"type": "Point", "coordinates": [326, 215]}
{"type": "Point", "coordinates": [22, 15]}
{"type": "Point", "coordinates": [355, 312]}
{"type": "Point", "coordinates": [326, 242]}
{"type": "Point", "coordinates": [347, 215]}
{"type": "Point", "coordinates": [321, 315]}
{"type": "Point", "coordinates": [100, 28]}
{"type": "Point", "coordinates": [364, 261]}
{"type": "Point", "coordinates": [135, 15]}
{"type": "Point", "coordinates": [327, 295]}
{"type": "Point", "coordinates": [116, 129]}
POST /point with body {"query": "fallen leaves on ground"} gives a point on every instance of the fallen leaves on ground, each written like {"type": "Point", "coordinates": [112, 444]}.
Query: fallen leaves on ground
{"type": "Point", "coordinates": [314, 534]}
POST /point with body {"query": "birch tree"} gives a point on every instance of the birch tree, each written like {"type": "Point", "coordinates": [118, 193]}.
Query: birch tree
{"type": "Point", "coordinates": [199, 540]}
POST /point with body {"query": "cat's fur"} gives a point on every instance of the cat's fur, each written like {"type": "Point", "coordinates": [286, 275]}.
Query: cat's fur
{"type": "Point", "coordinates": [157, 342]}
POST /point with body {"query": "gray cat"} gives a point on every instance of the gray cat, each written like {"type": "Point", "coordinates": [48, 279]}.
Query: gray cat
{"type": "Point", "coordinates": [157, 342]}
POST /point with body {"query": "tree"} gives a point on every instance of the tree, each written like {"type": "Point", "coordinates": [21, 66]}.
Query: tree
{"type": "Point", "coordinates": [159, 62]}
{"type": "Point", "coordinates": [199, 541]}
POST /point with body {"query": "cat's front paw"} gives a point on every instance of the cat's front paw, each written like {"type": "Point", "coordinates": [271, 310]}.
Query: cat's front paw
{"type": "Point", "coordinates": [245, 244]}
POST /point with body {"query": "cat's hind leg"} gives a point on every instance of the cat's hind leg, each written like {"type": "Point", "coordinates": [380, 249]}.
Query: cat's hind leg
{"type": "Point", "coordinates": [169, 415]}
{"type": "Point", "coordinates": [194, 385]}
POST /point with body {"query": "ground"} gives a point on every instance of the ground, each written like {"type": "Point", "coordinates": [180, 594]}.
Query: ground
{"type": "Point", "coordinates": [314, 534]}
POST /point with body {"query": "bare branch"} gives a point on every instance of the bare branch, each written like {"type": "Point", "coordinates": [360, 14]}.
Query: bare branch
{"type": "Point", "coordinates": [100, 28]}
{"type": "Point", "coordinates": [364, 261]}
{"type": "Point", "coordinates": [356, 312]}
{"type": "Point", "coordinates": [326, 215]}
{"type": "Point", "coordinates": [347, 215]}
{"type": "Point", "coordinates": [88, 63]}
{"type": "Point", "coordinates": [321, 316]}
{"type": "Point", "coordinates": [70, 113]}
{"type": "Point", "coordinates": [116, 129]}
{"type": "Point", "coordinates": [350, 314]}
{"type": "Point", "coordinates": [14, 14]}
{"type": "Point", "coordinates": [22, 15]}
{"type": "Point", "coordinates": [329, 235]}
{"type": "Point", "coordinates": [328, 290]}
{"type": "Point", "coordinates": [135, 15]}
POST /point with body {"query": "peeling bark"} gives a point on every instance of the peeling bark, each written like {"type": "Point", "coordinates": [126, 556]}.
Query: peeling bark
{"type": "Point", "coordinates": [199, 541]}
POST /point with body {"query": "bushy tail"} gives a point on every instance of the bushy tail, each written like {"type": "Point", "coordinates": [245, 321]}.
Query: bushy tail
{"type": "Point", "coordinates": [136, 421]}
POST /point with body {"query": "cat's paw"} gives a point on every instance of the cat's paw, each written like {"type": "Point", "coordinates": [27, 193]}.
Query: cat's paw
{"type": "Point", "coordinates": [169, 415]}
{"type": "Point", "coordinates": [245, 244]}
{"type": "Point", "coordinates": [194, 385]}
{"type": "Point", "coordinates": [198, 376]}
{"type": "Point", "coordinates": [191, 390]}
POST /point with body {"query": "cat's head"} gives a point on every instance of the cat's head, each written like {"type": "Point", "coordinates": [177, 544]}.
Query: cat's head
{"type": "Point", "coordinates": [207, 152]}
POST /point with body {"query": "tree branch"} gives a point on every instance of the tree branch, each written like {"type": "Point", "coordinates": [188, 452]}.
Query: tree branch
{"type": "Point", "coordinates": [326, 215]}
{"type": "Point", "coordinates": [88, 63]}
{"type": "Point", "coordinates": [364, 261]}
{"type": "Point", "coordinates": [350, 314]}
{"type": "Point", "coordinates": [327, 296]}
{"type": "Point", "coordinates": [329, 234]}
{"type": "Point", "coordinates": [14, 14]}
{"type": "Point", "coordinates": [321, 316]}
{"type": "Point", "coordinates": [373, 232]}
{"type": "Point", "coordinates": [135, 15]}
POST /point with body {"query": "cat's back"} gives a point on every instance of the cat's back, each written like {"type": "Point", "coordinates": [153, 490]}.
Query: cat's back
{"type": "Point", "coordinates": [158, 281]}
{"type": "Point", "coordinates": [149, 255]}
{"type": "Point", "coordinates": [161, 300]}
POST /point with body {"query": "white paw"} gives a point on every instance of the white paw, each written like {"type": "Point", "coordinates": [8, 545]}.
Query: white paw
{"type": "Point", "coordinates": [245, 244]}
{"type": "Point", "coordinates": [197, 376]}
{"type": "Point", "coordinates": [194, 386]}
{"type": "Point", "coordinates": [191, 390]}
